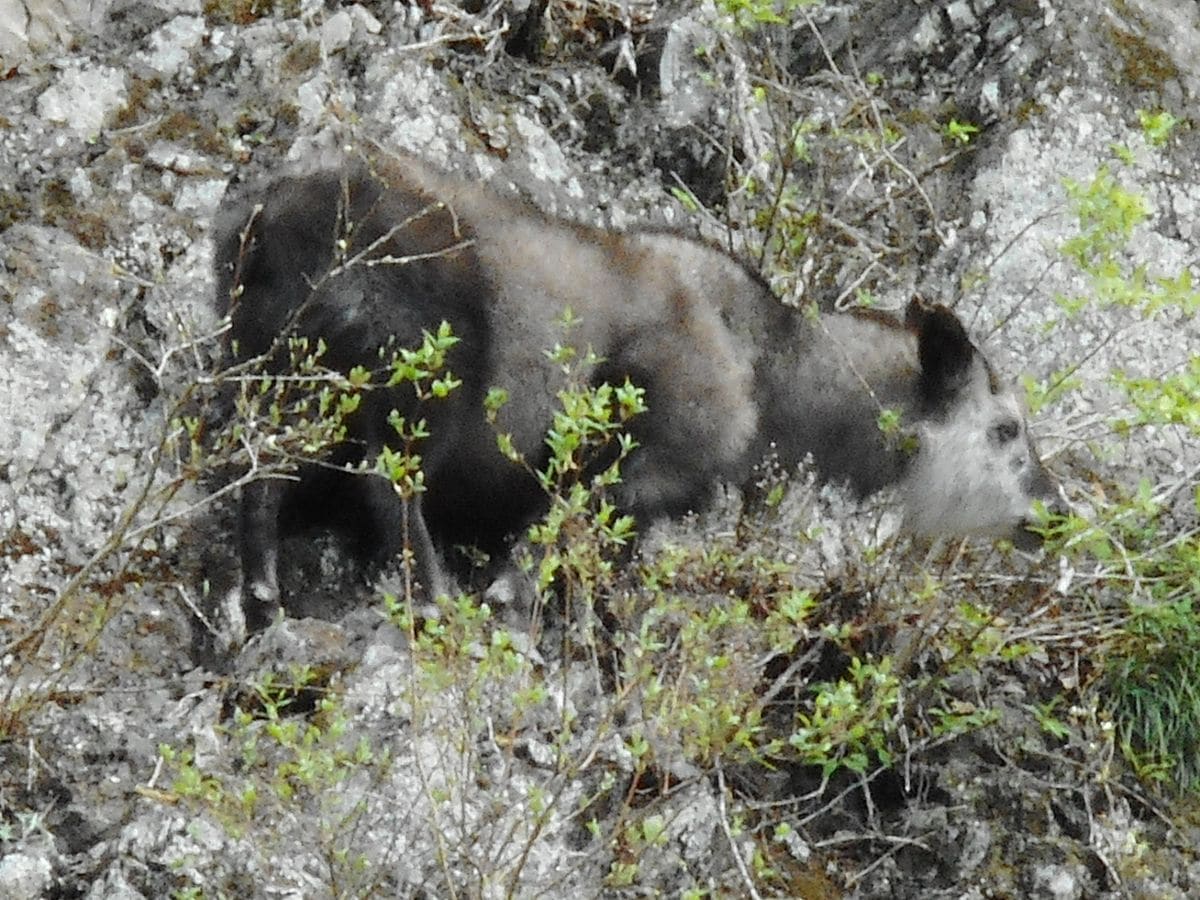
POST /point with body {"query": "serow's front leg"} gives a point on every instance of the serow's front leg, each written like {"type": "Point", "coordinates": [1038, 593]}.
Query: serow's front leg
{"type": "Point", "coordinates": [392, 523]}
{"type": "Point", "coordinates": [258, 537]}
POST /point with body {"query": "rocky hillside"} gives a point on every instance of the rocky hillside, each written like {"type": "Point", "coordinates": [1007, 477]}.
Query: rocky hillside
{"type": "Point", "coordinates": [787, 699]}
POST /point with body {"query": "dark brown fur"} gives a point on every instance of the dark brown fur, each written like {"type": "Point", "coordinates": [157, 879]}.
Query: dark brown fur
{"type": "Point", "coordinates": [729, 372]}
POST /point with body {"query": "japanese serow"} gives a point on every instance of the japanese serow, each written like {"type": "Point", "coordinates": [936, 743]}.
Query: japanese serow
{"type": "Point", "coordinates": [374, 254]}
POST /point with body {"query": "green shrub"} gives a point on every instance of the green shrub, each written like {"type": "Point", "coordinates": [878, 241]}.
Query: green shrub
{"type": "Point", "coordinates": [1144, 560]}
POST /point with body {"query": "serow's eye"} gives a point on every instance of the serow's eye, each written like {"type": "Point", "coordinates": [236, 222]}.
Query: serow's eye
{"type": "Point", "coordinates": [1005, 432]}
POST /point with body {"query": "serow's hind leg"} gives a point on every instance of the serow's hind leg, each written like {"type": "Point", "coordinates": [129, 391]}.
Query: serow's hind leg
{"type": "Point", "coordinates": [388, 515]}
{"type": "Point", "coordinates": [258, 537]}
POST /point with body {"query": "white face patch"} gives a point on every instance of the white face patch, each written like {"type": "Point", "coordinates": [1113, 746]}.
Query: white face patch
{"type": "Point", "coordinates": [975, 472]}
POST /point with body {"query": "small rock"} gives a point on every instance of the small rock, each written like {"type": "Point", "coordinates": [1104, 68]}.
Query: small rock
{"type": "Point", "coordinates": [928, 33]}
{"type": "Point", "coordinates": [1056, 883]}
{"type": "Point", "coordinates": [335, 33]}
{"type": "Point", "coordinates": [960, 15]}
{"type": "Point", "coordinates": [364, 21]}
{"type": "Point", "coordinates": [1002, 29]}
{"type": "Point", "coordinates": [23, 874]}
{"type": "Point", "coordinates": [171, 46]}
{"type": "Point", "coordinates": [539, 753]}
{"type": "Point", "coordinates": [303, 642]}
{"type": "Point", "coordinates": [976, 844]}
{"type": "Point", "coordinates": [200, 196]}
{"type": "Point", "coordinates": [113, 886]}
{"type": "Point", "coordinates": [171, 158]}
{"type": "Point", "coordinates": [311, 97]}
{"type": "Point", "coordinates": [83, 98]}
{"type": "Point", "coordinates": [686, 98]}
{"type": "Point", "coordinates": [1184, 205]}
{"type": "Point", "coordinates": [26, 28]}
{"type": "Point", "coordinates": [989, 97]}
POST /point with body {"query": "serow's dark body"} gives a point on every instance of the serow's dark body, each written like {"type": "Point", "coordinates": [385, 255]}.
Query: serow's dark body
{"type": "Point", "coordinates": [729, 372]}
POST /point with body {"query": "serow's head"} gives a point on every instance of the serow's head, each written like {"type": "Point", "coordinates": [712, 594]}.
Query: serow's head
{"type": "Point", "coordinates": [976, 470]}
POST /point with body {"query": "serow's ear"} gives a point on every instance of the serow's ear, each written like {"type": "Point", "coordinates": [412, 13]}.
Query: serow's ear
{"type": "Point", "coordinates": [943, 348]}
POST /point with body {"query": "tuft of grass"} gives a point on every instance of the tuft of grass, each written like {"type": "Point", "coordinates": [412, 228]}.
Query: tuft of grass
{"type": "Point", "coordinates": [1153, 687]}
{"type": "Point", "coordinates": [247, 12]}
{"type": "Point", "coordinates": [1157, 125]}
{"type": "Point", "coordinates": [958, 132]}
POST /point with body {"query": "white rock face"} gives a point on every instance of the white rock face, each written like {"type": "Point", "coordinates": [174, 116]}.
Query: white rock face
{"type": "Point", "coordinates": [83, 98]}
{"type": "Point", "coordinates": [30, 26]}
{"type": "Point", "coordinates": [171, 45]}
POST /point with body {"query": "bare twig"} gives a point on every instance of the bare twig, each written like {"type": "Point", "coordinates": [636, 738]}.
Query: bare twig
{"type": "Point", "coordinates": [734, 851]}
